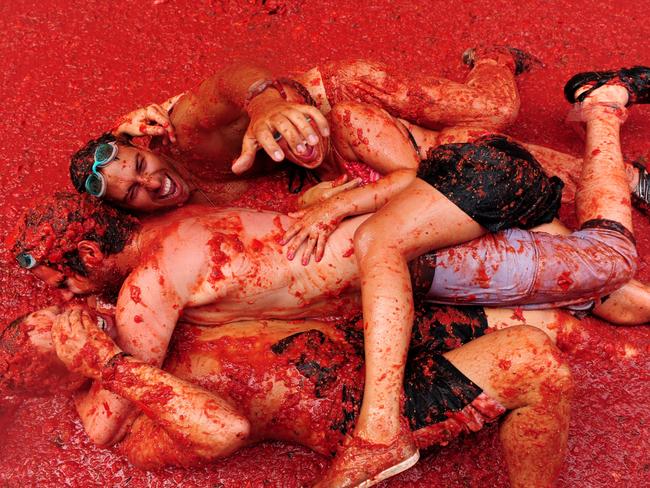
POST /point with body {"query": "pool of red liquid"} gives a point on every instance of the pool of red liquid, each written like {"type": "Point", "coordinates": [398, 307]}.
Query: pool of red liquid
{"type": "Point", "coordinates": [71, 67]}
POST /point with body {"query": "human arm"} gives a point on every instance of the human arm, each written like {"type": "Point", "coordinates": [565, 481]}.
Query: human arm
{"type": "Point", "coordinates": [200, 420]}
{"type": "Point", "coordinates": [244, 90]}
{"type": "Point", "coordinates": [152, 120]}
{"type": "Point", "coordinates": [143, 300]}
{"type": "Point", "coordinates": [325, 190]}
{"type": "Point", "coordinates": [368, 135]}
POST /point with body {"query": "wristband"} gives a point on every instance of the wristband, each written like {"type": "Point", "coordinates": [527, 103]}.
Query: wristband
{"type": "Point", "coordinates": [260, 87]}
{"type": "Point", "coordinates": [113, 360]}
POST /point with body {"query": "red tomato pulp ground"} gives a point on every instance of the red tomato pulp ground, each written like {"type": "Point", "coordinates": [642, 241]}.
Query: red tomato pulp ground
{"type": "Point", "coordinates": [71, 67]}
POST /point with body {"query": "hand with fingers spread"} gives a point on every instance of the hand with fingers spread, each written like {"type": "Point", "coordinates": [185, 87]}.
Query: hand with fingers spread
{"type": "Point", "coordinates": [152, 120]}
{"type": "Point", "coordinates": [80, 343]}
{"type": "Point", "coordinates": [326, 190]}
{"type": "Point", "coordinates": [280, 127]}
{"type": "Point", "coordinates": [312, 228]}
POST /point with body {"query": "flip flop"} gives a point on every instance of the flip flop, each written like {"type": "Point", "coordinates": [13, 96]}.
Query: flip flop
{"type": "Point", "coordinates": [635, 79]}
{"type": "Point", "coordinates": [641, 194]}
{"type": "Point", "coordinates": [524, 61]}
{"type": "Point", "coordinates": [392, 471]}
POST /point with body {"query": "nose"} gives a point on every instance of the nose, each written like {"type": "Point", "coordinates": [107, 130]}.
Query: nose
{"type": "Point", "coordinates": [149, 182]}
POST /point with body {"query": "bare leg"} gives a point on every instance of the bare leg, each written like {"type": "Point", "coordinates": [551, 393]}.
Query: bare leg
{"type": "Point", "coordinates": [418, 219]}
{"type": "Point", "coordinates": [387, 297]}
{"type": "Point", "coordinates": [603, 190]}
{"type": "Point", "coordinates": [521, 368]}
{"type": "Point", "coordinates": [569, 168]}
{"type": "Point", "coordinates": [488, 98]}
{"type": "Point", "coordinates": [553, 322]}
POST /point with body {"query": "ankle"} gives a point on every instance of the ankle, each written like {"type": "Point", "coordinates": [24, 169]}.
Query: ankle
{"type": "Point", "coordinates": [606, 94]}
{"type": "Point", "coordinates": [606, 112]}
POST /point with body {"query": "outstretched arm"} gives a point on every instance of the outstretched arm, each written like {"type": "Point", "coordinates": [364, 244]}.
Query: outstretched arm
{"type": "Point", "coordinates": [368, 135]}
{"type": "Point", "coordinates": [223, 99]}
{"type": "Point", "coordinates": [147, 310]}
{"type": "Point", "coordinates": [192, 416]}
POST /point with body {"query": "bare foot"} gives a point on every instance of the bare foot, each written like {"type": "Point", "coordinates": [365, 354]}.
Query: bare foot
{"type": "Point", "coordinates": [361, 464]}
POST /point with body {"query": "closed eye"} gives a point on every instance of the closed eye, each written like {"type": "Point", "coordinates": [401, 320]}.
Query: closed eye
{"type": "Point", "coordinates": [131, 193]}
{"type": "Point", "coordinates": [140, 164]}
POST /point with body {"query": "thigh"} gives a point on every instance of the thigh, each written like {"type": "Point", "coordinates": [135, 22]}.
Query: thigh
{"type": "Point", "coordinates": [418, 220]}
{"type": "Point", "coordinates": [503, 364]}
{"type": "Point", "coordinates": [552, 322]}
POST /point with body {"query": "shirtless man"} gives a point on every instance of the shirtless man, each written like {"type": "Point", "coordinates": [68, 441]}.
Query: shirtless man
{"type": "Point", "coordinates": [303, 383]}
{"type": "Point", "coordinates": [410, 225]}
{"type": "Point", "coordinates": [244, 108]}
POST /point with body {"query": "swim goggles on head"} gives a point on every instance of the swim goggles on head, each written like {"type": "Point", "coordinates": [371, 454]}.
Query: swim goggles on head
{"type": "Point", "coordinates": [26, 260]}
{"type": "Point", "coordinates": [104, 154]}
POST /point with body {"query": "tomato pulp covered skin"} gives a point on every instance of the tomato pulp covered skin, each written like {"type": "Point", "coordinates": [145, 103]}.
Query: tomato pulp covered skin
{"type": "Point", "coordinates": [72, 68]}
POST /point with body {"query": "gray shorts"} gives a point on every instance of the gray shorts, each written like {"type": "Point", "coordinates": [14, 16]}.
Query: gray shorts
{"type": "Point", "coordinates": [530, 269]}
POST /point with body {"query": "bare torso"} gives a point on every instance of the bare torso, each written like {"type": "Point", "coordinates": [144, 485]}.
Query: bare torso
{"type": "Point", "coordinates": [210, 266]}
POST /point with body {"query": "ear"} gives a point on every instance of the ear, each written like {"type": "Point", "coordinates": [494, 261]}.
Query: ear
{"type": "Point", "coordinates": [90, 253]}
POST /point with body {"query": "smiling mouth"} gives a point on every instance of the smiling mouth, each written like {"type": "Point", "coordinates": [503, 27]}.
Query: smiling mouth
{"type": "Point", "coordinates": [309, 158]}
{"type": "Point", "coordinates": [168, 189]}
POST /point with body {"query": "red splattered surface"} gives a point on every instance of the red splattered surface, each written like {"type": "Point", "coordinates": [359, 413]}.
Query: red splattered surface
{"type": "Point", "coordinates": [71, 67]}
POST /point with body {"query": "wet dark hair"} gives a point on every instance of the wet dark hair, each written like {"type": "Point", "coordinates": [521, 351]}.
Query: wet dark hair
{"type": "Point", "coordinates": [81, 162]}
{"type": "Point", "coordinates": [51, 231]}
{"type": "Point", "coordinates": [9, 333]}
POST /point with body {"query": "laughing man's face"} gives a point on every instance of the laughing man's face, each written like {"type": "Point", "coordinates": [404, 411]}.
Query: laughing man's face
{"type": "Point", "coordinates": [143, 181]}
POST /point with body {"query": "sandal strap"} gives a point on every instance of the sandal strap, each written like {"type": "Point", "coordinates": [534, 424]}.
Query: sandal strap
{"type": "Point", "coordinates": [642, 190]}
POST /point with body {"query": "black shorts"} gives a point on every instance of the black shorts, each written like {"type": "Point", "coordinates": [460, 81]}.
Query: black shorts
{"type": "Point", "coordinates": [433, 387]}
{"type": "Point", "coordinates": [495, 181]}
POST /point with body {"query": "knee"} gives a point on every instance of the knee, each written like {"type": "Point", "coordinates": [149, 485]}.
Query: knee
{"type": "Point", "coordinates": [503, 112]}
{"type": "Point", "coordinates": [551, 375]}
{"type": "Point", "coordinates": [373, 240]}
{"type": "Point", "coordinates": [537, 351]}
{"type": "Point", "coordinates": [365, 239]}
